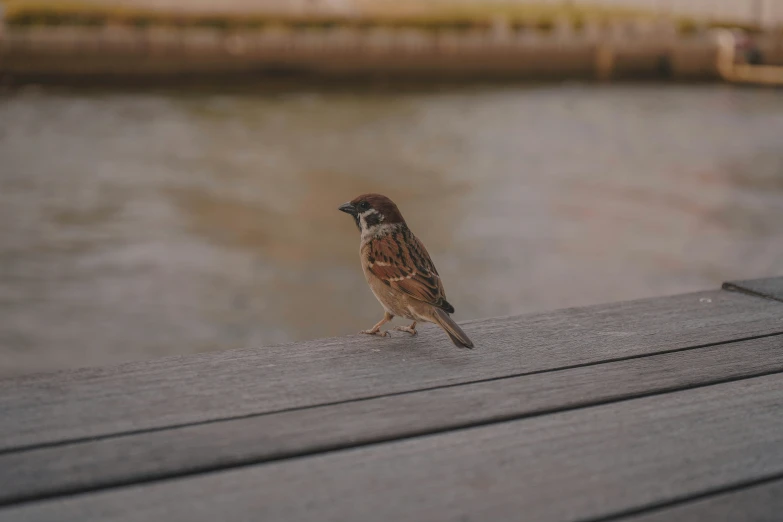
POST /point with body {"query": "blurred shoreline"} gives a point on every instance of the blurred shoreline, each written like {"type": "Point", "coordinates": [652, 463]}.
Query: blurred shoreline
{"type": "Point", "coordinates": [108, 46]}
{"type": "Point", "coordinates": [184, 55]}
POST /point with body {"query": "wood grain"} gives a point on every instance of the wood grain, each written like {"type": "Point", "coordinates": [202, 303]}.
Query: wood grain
{"type": "Point", "coordinates": [127, 459]}
{"type": "Point", "coordinates": [762, 503]}
{"type": "Point", "coordinates": [577, 465]}
{"type": "Point", "coordinates": [53, 408]}
{"type": "Point", "coordinates": [771, 288]}
{"type": "Point", "coordinates": [94, 402]}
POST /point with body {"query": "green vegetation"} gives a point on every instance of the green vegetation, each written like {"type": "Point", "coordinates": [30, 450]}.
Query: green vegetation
{"type": "Point", "coordinates": [414, 15]}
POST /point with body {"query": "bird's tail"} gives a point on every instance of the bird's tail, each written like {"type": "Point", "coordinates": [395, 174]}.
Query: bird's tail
{"type": "Point", "coordinates": [458, 337]}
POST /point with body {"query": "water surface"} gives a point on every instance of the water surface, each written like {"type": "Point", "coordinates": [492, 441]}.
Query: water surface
{"type": "Point", "coordinates": [141, 225]}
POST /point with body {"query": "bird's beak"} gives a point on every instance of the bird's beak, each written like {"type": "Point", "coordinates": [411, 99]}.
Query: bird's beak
{"type": "Point", "coordinates": [348, 209]}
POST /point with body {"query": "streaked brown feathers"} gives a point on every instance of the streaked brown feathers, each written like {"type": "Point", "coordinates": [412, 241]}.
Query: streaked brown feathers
{"type": "Point", "coordinates": [401, 261]}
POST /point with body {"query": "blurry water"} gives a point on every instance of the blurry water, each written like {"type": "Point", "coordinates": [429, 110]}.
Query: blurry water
{"type": "Point", "coordinates": [134, 226]}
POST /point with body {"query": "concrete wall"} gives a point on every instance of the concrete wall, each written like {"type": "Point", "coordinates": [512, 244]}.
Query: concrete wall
{"type": "Point", "coordinates": [68, 51]}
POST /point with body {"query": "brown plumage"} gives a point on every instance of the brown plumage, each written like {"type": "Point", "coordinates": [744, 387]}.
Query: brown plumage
{"type": "Point", "coordinates": [399, 269]}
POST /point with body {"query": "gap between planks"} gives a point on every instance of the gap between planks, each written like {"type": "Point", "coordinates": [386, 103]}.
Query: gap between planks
{"type": "Point", "coordinates": [651, 449]}
{"type": "Point", "coordinates": [78, 440]}
{"type": "Point", "coordinates": [757, 501]}
{"type": "Point", "coordinates": [99, 402]}
{"type": "Point", "coordinates": [662, 511]}
{"type": "Point", "coordinates": [584, 387]}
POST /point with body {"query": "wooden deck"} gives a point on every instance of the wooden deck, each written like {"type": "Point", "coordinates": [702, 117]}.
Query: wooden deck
{"type": "Point", "coordinates": [666, 409]}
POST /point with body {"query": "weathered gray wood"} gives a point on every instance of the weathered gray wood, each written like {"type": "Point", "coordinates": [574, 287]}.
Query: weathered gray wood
{"type": "Point", "coordinates": [575, 465]}
{"type": "Point", "coordinates": [771, 287]}
{"type": "Point", "coordinates": [127, 459]}
{"type": "Point", "coordinates": [52, 408]}
{"type": "Point", "coordinates": [763, 503]}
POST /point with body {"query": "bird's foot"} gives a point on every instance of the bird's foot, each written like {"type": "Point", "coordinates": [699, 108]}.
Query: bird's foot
{"type": "Point", "coordinates": [376, 331]}
{"type": "Point", "coordinates": [410, 329]}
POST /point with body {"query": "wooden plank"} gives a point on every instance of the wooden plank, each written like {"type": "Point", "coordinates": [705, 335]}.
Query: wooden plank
{"type": "Point", "coordinates": [771, 287]}
{"type": "Point", "coordinates": [100, 463]}
{"type": "Point", "coordinates": [69, 406]}
{"type": "Point", "coordinates": [577, 465]}
{"type": "Point", "coordinates": [761, 503]}
{"type": "Point", "coordinates": [128, 459]}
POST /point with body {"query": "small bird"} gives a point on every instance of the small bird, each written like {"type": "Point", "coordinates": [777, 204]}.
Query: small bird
{"type": "Point", "coordinates": [399, 270]}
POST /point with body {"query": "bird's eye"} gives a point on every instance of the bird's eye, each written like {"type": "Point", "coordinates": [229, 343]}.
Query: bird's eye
{"type": "Point", "coordinates": [364, 206]}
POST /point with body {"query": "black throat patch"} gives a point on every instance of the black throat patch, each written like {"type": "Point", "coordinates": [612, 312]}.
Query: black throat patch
{"type": "Point", "coordinates": [372, 219]}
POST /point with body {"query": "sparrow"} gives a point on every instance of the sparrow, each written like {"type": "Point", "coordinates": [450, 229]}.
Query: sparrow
{"type": "Point", "coordinates": [399, 270]}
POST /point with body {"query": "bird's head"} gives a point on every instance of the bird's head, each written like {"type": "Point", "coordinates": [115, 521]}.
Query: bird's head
{"type": "Point", "coordinates": [372, 210]}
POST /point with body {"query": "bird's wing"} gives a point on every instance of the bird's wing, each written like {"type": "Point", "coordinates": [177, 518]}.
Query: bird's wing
{"type": "Point", "coordinates": [400, 260]}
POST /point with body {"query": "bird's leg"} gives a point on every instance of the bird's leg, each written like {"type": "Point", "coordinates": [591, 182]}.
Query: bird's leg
{"type": "Point", "coordinates": [410, 329]}
{"type": "Point", "coordinates": [376, 330]}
